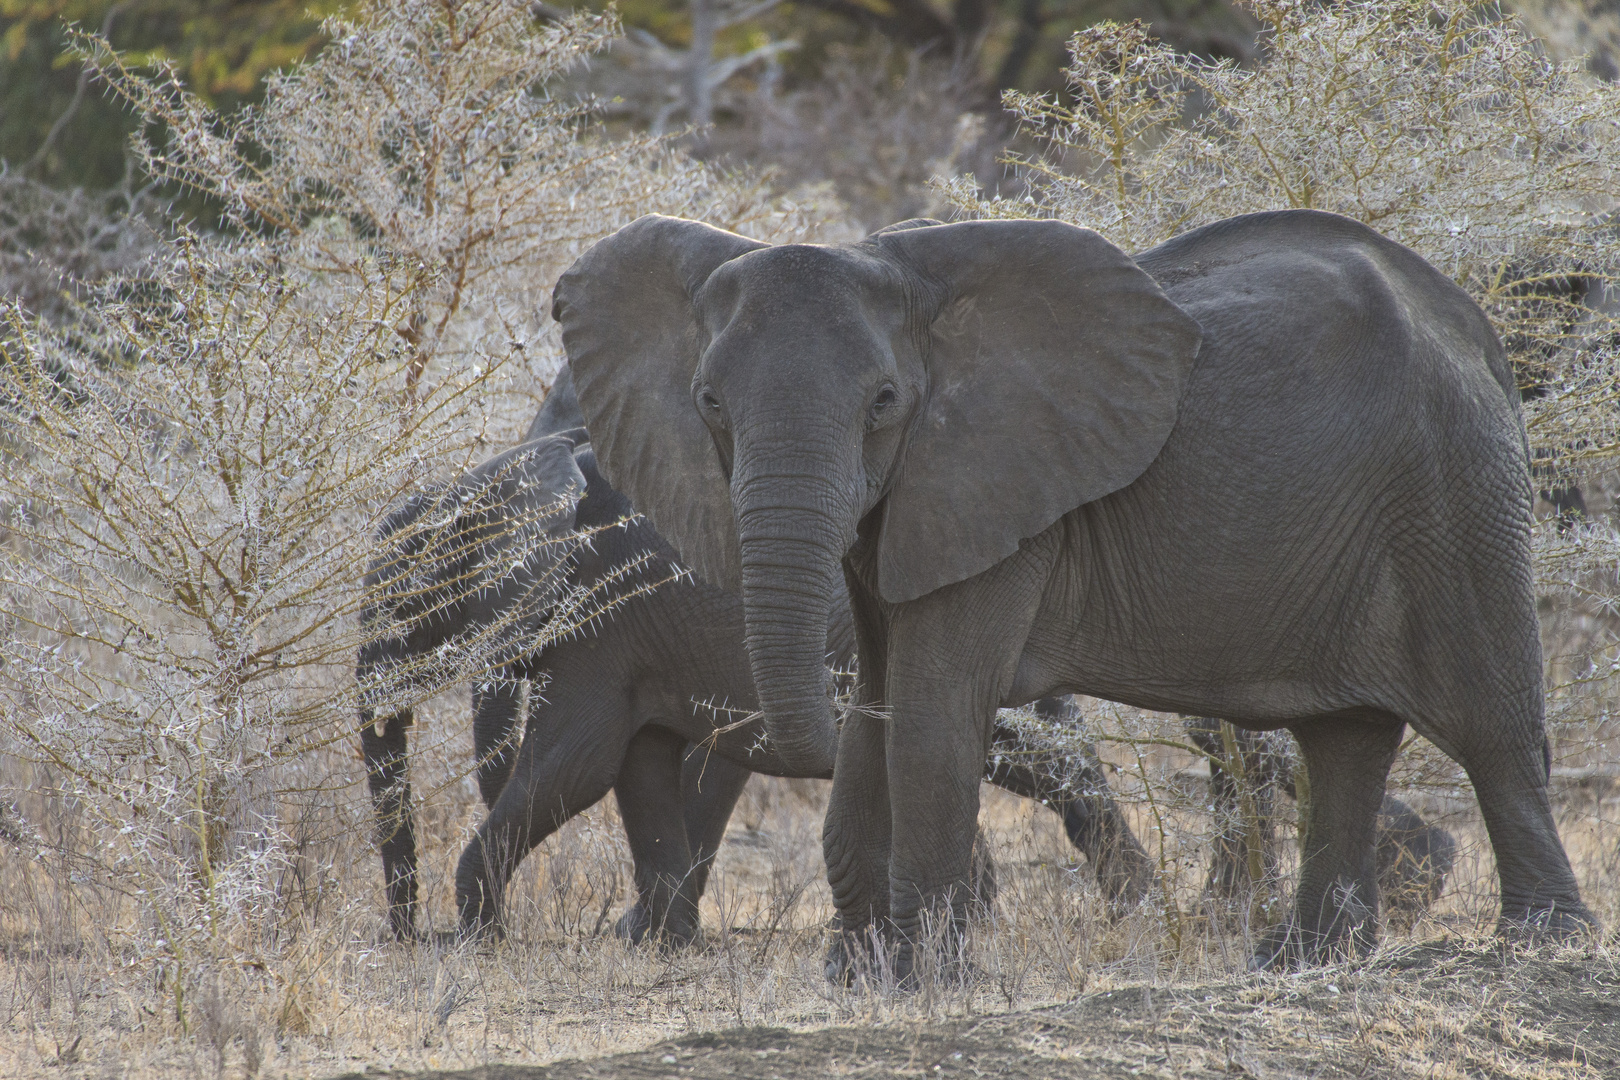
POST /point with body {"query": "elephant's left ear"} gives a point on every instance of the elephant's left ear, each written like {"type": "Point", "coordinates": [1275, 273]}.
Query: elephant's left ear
{"type": "Point", "coordinates": [507, 522]}
{"type": "Point", "coordinates": [1056, 366]}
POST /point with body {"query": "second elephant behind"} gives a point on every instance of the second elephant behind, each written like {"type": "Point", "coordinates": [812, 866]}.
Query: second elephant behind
{"type": "Point", "coordinates": [643, 696]}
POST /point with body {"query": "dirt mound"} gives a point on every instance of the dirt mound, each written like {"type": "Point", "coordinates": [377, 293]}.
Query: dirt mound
{"type": "Point", "coordinates": [1438, 1009]}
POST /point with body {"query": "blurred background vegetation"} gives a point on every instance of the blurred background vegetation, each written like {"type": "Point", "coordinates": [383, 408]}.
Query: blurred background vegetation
{"type": "Point", "coordinates": [62, 130]}
{"type": "Point", "coordinates": [66, 132]}
{"type": "Point", "coordinates": [865, 97]}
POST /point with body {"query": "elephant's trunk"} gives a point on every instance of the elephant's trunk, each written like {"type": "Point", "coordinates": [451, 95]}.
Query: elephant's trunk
{"type": "Point", "coordinates": [791, 550]}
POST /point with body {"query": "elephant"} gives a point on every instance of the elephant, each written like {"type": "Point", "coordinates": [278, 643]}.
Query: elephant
{"type": "Point", "coordinates": [464, 574]}
{"type": "Point", "coordinates": [1271, 470]}
{"type": "Point", "coordinates": [613, 706]}
{"type": "Point", "coordinates": [1412, 857]}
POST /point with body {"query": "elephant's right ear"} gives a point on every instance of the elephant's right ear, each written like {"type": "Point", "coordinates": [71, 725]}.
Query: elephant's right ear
{"type": "Point", "coordinates": [632, 339]}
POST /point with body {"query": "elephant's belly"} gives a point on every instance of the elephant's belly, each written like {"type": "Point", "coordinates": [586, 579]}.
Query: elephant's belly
{"type": "Point", "coordinates": [1259, 626]}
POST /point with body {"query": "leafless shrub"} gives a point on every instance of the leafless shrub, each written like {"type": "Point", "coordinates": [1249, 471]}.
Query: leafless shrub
{"type": "Point", "coordinates": [194, 470]}
{"type": "Point", "coordinates": [428, 130]}
{"type": "Point", "coordinates": [56, 245]}
{"type": "Point", "coordinates": [189, 494]}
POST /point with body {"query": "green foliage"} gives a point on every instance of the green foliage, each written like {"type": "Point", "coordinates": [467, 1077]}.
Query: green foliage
{"type": "Point", "coordinates": [222, 50]}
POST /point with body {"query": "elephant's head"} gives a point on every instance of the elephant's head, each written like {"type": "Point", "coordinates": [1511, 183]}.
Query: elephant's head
{"type": "Point", "coordinates": [970, 383]}
{"type": "Point", "coordinates": [466, 569]}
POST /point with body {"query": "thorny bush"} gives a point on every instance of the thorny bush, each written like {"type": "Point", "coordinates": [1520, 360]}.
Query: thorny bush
{"type": "Point", "coordinates": [197, 454]}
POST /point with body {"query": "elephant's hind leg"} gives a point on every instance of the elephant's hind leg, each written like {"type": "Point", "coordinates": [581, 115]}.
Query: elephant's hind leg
{"type": "Point", "coordinates": [568, 761]}
{"type": "Point", "coordinates": [1073, 786]}
{"type": "Point", "coordinates": [1243, 774]}
{"type": "Point", "coordinates": [1540, 896]}
{"type": "Point", "coordinates": [653, 809]}
{"type": "Point", "coordinates": [1347, 758]}
{"type": "Point", "coordinates": [1414, 858]}
{"type": "Point", "coordinates": [710, 788]}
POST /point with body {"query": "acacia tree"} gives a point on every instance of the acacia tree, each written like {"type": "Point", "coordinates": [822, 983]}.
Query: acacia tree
{"type": "Point", "coordinates": [429, 130]}
{"type": "Point", "coordinates": [195, 466]}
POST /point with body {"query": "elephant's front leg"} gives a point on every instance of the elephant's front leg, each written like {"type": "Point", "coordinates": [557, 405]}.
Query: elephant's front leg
{"type": "Point", "coordinates": [936, 756]}
{"type": "Point", "coordinates": [855, 842]}
{"type": "Point", "coordinates": [390, 786]}
{"type": "Point", "coordinates": [951, 658]}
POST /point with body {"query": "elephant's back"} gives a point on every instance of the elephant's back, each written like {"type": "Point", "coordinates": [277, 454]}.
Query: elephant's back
{"type": "Point", "coordinates": [1305, 284]}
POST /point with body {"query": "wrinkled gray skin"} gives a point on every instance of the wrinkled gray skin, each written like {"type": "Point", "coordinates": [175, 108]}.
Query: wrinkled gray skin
{"type": "Point", "coordinates": [614, 708]}
{"type": "Point", "coordinates": [1271, 471]}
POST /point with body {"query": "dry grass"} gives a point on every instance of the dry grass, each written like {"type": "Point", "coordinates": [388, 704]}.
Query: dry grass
{"type": "Point", "coordinates": [325, 992]}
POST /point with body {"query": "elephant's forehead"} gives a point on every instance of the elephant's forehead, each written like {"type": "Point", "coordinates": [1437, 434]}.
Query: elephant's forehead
{"type": "Point", "coordinates": [797, 280]}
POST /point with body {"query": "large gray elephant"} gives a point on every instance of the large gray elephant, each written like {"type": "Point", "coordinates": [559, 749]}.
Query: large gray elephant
{"type": "Point", "coordinates": [616, 705]}
{"type": "Point", "coordinates": [1272, 471]}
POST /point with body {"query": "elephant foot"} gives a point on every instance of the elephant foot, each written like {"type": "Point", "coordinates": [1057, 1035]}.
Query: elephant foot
{"type": "Point", "coordinates": [1289, 947]}
{"type": "Point", "coordinates": [1127, 878]}
{"type": "Point", "coordinates": [402, 924]}
{"type": "Point", "coordinates": [477, 931]}
{"type": "Point", "coordinates": [480, 919]}
{"type": "Point", "coordinates": [633, 925]}
{"type": "Point", "coordinates": [1567, 921]}
{"type": "Point", "coordinates": [1350, 930]}
{"type": "Point", "coordinates": [851, 956]}
{"type": "Point", "coordinates": [890, 962]}
{"type": "Point", "coordinates": [637, 925]}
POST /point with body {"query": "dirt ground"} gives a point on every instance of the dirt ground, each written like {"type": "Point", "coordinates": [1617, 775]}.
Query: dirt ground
{"type": "Point", "coordinates": [1438, 1009]}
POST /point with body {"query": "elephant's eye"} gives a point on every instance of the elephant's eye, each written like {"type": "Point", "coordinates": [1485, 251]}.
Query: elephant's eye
{"type": "Point", "coordinates": [710, 406]}
{"type": "Point", "coordinates": [884, 401]}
